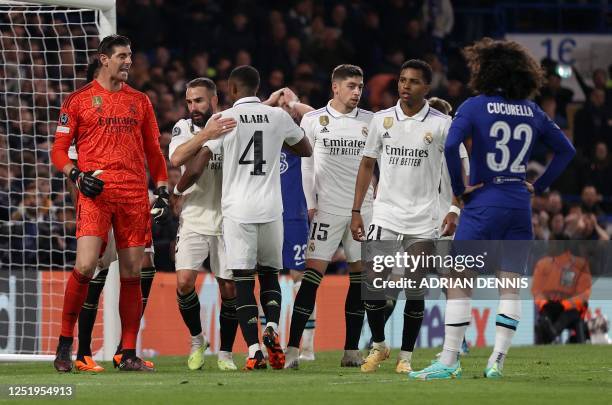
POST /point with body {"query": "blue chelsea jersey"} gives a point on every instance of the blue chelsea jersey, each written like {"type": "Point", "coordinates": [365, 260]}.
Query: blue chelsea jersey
{"type": "Point", "coordinates": [294, 202]}
{"type": "Point", "coordinates": [503, 133]}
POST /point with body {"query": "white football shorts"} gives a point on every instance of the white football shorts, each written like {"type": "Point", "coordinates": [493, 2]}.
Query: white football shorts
{"type": "Point", "coordinates": [193, 248]}
{"type": "Point", "coordinates": [247, 245]}
{"type": "Point", "coordinates": [327, 231]}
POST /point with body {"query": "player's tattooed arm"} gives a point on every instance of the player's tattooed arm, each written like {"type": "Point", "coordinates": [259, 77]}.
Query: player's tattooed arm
{"type": "Point", "coordinates": [193, 169]}
{"type": "Point", "coordinates": [215, 127]}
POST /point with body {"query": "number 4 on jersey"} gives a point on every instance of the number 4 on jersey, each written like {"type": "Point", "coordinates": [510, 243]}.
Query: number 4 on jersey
{"type": "Point", "coordinates": [257, 162]}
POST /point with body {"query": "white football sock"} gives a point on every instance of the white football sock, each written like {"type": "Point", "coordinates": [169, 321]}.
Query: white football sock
{"type": "Point", "coordinates": [253, 349]}
{"type": "Point", "coordinates": [456, 320]}
{"type": "Point", "coordinates": [224, 355]}
{"type": "Point", "coordinates": [508, 316]}
{"type": "Point", "coordinates": [274, 326]}
{"type": "Point", "coordinates": [404, 355]}
{"type": "Point", "coordinates": [379, 345]}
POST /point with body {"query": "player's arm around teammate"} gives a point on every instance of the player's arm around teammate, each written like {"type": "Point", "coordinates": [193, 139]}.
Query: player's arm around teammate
{"type": "Point", "coordinates": [199, 236]}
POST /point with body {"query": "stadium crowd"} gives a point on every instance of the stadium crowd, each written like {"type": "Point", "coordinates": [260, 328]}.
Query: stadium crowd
{"type": "Point", "coordinates": [294, 44]}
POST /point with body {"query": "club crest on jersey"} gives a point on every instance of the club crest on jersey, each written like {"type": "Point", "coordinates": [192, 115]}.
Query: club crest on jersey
{"type": "Point", "coordinates": [284, 165]}
{"type": "Point", "coordinates": [388, 122]}
{"type": "Point", "coordinates": [176, 131]}
{"type": "Point", "coordinates": [324, 120]}
{"type": "Point", "coordinates": [364, 131]}
{"type": "Point", "coordinates": [96, 101]}
{"type": "Point", "coordinates": [133, 109]}
{"type": "Point", "coordinates": [428, 138]}
{"type": "Point", "coordinates": [63, 119]}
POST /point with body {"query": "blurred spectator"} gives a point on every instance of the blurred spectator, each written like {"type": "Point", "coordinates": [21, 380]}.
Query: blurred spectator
{"type": "Point", "coordinates": [562, 95]}
{"type": "Point", "coordinates": [593, 122]}
{"type": "Point", "coordinates": [456, 92]}
{"type": "Point", "coordinates": [557, 227]}
{"type": "Point", "coordinates": [238, 35]}
{"type": "Point", "coordinates": [439, 19]}
{"type": "Point", "coordinates": [590, 201]}
{"type": "Point", "coordinates": [438, 79]}
{"type": "Point", "coordinates": [600, 81]}
{"type": "Point", "coordinates": [600, 170]}
{"type": "Point", "coordinates": [417, 42]}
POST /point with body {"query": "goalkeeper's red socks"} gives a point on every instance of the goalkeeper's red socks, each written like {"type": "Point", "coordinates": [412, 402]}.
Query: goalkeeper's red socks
{"type": "Point", "coordinates": [130, 310]}
{"type": "Point", "coordinates": [74, 297]}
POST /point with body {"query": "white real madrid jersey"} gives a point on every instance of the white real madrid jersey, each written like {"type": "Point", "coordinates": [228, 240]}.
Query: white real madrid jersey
{"type": "Point", "coordinates": [251, 160]}
{"type": "Point", "coordinates": [202, 205]}
{"type": "Point", "coordinates": [337, 144]}
{"type": "Point", "coordinates": [410, 151]}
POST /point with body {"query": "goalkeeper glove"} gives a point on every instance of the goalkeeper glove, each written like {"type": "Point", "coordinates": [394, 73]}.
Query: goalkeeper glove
{"type": "Point", "coordinates": [86, 182]}
{"type": "Point", "coordinates": [161, 210]}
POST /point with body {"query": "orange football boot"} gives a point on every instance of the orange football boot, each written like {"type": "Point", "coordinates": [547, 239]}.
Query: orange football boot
{"type": "Point", "coordinates": [88, 364]}
{"type": "Point", "coordinates": [117, 361]}
{"type": "Point", "coordinates": [256, 363]}
{"type": "Point", "coordinates": [276, 356]}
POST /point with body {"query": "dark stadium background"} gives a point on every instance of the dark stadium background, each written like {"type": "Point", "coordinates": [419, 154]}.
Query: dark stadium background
{"type": "Point", "coordinates": [296, 44]}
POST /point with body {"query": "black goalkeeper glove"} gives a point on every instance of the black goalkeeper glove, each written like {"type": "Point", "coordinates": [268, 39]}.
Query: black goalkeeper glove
{"type": "Point", "coordinates": [161, 210]}
{"type": "Point", "coordinates": [86, 182]}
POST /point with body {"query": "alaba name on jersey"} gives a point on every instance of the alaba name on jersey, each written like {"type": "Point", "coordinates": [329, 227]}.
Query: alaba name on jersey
{"type": "Point", "coordinates": [202, 205]}
{"type": "Point", "coordinates": [251, 191]}
{"type": "Point", "coordinates": [337, 144]}
{"type": "Point", "coordinates": [410, 151]}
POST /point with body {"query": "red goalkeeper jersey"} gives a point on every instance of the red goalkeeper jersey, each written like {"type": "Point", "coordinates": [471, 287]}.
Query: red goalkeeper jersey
{"type": "Point", "coordinates": [113, 132]}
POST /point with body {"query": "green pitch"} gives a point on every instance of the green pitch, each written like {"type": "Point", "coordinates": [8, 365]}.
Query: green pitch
{"type": "Point", "coordinates": [534, 375]}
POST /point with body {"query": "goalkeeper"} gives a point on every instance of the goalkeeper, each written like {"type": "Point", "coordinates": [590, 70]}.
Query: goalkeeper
{"type": "Point", "coordinates": [114, 129]}
{"type": "Point", "coordinates": [87, 317]}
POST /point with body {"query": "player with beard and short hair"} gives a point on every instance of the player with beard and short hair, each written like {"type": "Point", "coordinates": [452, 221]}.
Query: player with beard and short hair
{"type": "Point", "coordinates": [199, 234]}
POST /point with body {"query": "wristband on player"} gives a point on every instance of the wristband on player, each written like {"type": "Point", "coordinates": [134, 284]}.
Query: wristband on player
{"type": "Point", "coordinates": [454, 209]}
{"type": "Point", "coordinates": [292, 104]}
{"type": "Point", "coordinates": [356, 211]}
{"type": "Point", "coordinates": [176, 191]}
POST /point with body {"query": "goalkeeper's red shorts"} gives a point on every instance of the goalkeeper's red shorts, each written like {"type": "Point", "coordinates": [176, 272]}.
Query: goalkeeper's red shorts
{"type": "Point", "coordinates": [131, 221]}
